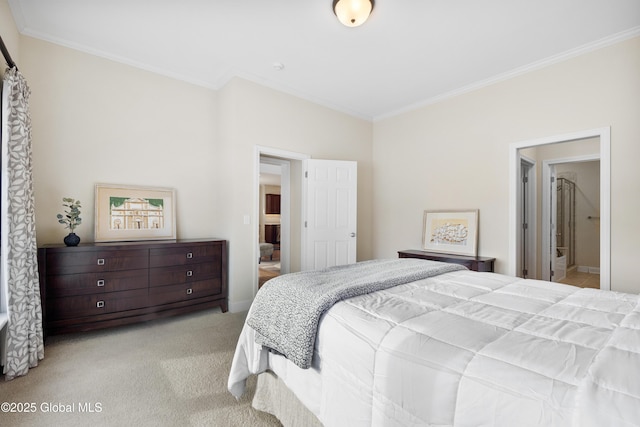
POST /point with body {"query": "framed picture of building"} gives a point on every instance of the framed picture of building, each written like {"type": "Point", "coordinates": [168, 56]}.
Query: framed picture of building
{"type": "Point", "coordinates": [451, 232]}
{"type": "Point", "coordinates": [130, 213]}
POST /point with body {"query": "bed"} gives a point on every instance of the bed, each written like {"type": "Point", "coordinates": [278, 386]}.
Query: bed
{"type": "Point", "coordinates": [446, 346]}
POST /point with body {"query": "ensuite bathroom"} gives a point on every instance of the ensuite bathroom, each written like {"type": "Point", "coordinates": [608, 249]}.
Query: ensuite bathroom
{"type": "Point", "coordinates": [578, 223]}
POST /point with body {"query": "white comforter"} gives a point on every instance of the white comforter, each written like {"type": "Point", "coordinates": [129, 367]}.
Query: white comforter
{"type": "Point", "coordinates": [468, 349]}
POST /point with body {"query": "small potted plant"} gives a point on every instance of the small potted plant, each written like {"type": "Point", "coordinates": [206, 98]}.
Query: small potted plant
{"type": "Point", "coordinates": [71, 219]}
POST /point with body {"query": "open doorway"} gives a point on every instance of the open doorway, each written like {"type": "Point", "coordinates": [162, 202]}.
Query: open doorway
{"type": "Point", "coordinates": [567, 148]}
{"type": "Point", "coordinates": [281, 229]}
{"type": "Point", "coordinates": [572, 219]}
{"type": "Point", "coordinates": [269, 218]}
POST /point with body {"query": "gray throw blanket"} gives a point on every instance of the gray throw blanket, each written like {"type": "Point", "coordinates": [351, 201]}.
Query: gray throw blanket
{"type": "Point", "coordinates": [287, 309]}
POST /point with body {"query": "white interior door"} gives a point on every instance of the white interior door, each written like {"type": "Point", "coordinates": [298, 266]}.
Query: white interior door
{"type": "Point", "coordinates": [330, 213]}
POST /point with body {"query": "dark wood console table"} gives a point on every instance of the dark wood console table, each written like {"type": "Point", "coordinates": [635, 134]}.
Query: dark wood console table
{"type": "Point", "coordinates": [475, 263]}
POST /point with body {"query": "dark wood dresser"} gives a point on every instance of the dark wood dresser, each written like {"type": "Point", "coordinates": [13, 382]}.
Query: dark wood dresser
{"type": "Point", "coordinates": [272, 233]}
{"type": "Point", "coordinates": [100, 285]}
{"type": "Point", "coordinates": [475, 263]}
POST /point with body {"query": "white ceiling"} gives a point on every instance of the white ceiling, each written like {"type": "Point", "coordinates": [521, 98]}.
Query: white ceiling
{"type": "Point", "coordinates": [409, 53]}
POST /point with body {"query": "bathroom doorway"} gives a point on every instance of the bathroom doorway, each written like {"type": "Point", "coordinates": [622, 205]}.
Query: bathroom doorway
{"type": "Point", "coordinates": [575, 221]}
{"type": "Point", "coordinates": [579, 146]}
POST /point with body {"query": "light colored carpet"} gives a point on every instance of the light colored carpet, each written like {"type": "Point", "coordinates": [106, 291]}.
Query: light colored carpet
{"type": "Point", "coordinates": [168, 372]}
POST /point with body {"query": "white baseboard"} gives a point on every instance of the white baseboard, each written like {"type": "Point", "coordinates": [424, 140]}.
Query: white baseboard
{"type": "Point", "coordinates": [587, 269]}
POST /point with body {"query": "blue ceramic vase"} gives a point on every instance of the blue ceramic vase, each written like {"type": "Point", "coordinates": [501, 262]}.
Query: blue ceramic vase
{"type": "Point", "coordinates": [72, 239]}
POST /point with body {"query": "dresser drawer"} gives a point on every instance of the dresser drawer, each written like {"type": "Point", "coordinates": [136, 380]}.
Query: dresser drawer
{"type": "Point", "coordinates": [185, 292]}
{"type": "Point", "coordinates": [91, 305]}
{"type": "Point", "coordinates": [74, 262]}
{"type": "Point", "coordinates": [99, 285]}
{"type": "Point", "coordinates": [177, 274]}
{"type": "Point", "coordinates": [96, 283]}
{"type": "Point", "coordinates": [185, 255]}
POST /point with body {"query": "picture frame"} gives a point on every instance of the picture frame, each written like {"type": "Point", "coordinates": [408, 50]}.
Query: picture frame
{"type": "Point", "coordinates": [133, 213]}
{"type": "Point", "coordinates": [451, 231]}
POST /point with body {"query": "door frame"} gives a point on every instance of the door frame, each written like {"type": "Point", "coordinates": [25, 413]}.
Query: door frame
{"type": "Point", "coordinates": [604, 135]}
{"type": "Point", "coordinates": [285, 202]}
{"type": "Point", "coordinates": [530, 243]}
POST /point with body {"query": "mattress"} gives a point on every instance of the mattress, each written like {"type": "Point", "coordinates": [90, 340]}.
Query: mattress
{"type": "Point", "coordinates": [467, 349]}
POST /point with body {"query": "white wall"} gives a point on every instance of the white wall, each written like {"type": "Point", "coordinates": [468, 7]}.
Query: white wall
{"type": "Point", "coordinates": [252, 115]}
{"type": "Point", "coordinates": [454, 154]}
{"type": "Point", "coordinates": [98, 121]}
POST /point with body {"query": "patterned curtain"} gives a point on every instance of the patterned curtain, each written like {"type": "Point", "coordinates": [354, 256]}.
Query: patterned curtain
{"type": "Point", "coordinates": [24, 344]}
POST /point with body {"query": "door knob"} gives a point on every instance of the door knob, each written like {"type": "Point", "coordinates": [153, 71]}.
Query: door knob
{"type": "Point", "coordinates": [353, 234]}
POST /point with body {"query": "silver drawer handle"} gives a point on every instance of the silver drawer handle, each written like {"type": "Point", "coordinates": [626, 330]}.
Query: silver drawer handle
{"type": "Point", "coordinates": [100, 261]}
{"type": "Point", "coordinates": [100, 304]}
{"type": "Point", "coordinates": [189, 255]}
{"type": "Point", "coordinates": [189, 273]}
{"type": "Point", "coordinates": [189, 291]}
{"type": "Point", "coordinates": [100, 282]}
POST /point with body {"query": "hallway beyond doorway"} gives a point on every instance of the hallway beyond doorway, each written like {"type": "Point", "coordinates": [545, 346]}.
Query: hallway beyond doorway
{"type": "Point", "coordinates": [269, 267]}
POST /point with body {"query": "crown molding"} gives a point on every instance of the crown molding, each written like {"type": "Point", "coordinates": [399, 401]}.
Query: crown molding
{"type": "Point", "coordinates": [561, 57]}
{"type": "Point", "coordinates": [221, 80]}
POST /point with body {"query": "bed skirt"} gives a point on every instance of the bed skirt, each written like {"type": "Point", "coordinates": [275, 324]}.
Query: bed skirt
{"type": "Point", "coordinates": [273, 396]}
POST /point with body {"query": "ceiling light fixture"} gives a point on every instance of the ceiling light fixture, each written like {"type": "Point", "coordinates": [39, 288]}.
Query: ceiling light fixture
{"type": "Point", "coordinates": [352, 13]}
